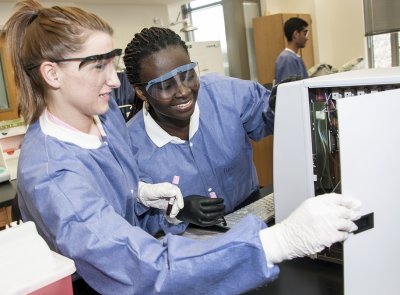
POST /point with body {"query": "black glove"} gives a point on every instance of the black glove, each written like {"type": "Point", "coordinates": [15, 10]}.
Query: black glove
{"type": "Point", "coordinates": [272, 96]}
{"type": "Point", "coordinates": [202, 211]}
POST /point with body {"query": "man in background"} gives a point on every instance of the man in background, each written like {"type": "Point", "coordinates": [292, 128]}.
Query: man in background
{"type": "Point", "coordinates": [289, 63]}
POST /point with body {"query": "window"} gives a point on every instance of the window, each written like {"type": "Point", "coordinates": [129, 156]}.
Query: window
{"type": "Point", "coordinates": [384, 50]}
{"type": "Point", "coordinates": [201, 12]}
{"type": "Point", "coordinates": [223, 21]}
{"type": "Point", "coordinates": [382, 27]}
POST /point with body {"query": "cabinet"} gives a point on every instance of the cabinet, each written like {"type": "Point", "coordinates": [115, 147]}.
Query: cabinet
{"type": "Point", "coordinates": [5, 216]}
{"type": "Point", "coordinates": [8, 92]}
{"type": "Point", "coordinates": [270, 40]}
{"type": "Point", "coordinates": [262, 158]}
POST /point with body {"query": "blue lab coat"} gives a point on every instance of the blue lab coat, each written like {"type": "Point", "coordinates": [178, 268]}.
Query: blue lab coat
{"type": "Point", "coordinates": [219, 155]}
{"type": "Point", "coordinates": [289, 64]}
{"type": "Point", "coordinates": [83, 203]}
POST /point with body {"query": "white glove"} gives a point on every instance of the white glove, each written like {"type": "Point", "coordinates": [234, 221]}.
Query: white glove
{"type": "Point", "coordinates": [158, 195]}
{"type": "Point", "coordinates": [317, 223]}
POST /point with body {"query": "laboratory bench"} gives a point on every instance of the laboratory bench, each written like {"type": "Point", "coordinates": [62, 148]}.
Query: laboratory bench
{"type": "Point", "coordinates": [7, 192]}
{"type": "Point", "coordinates": [305, 276]}
{"type": "Point", "coordinates": [300, 276]}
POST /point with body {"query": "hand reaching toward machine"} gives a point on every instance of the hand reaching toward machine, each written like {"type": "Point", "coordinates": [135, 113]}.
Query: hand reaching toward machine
{"type": "Point", "coordinates": [317, 223]}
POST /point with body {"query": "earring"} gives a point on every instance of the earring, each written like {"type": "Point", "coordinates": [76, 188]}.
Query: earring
{"type": "Point", "coordinates": [146, 106]}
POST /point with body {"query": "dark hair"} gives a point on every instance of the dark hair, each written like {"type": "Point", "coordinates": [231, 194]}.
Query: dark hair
{"type": "Point", "coordinates": [144, 44]}
{"type": "Point", "coordinates": [294, 24]}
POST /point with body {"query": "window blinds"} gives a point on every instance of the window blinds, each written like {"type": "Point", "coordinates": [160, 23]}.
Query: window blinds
{"type": "Point", "coordinates": [381, 16]}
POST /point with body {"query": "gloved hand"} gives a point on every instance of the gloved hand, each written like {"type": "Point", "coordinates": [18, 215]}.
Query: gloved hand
{"type": "Point", "coordinates": [317, 223]}
{"type": "Point", "coordinates": [202, 211]}
{"type": "Point", "coordinates": [158, 195]}
{"type": "Point", "coordinates": [272, 96]}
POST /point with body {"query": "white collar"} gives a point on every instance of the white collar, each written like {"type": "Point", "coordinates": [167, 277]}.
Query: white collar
{"type": "Point", "coordinates": [84, 140]}
{"type": "Point", "coordinates": [160, 137]}
{"type": "Point", "coordinates": [288, 49]}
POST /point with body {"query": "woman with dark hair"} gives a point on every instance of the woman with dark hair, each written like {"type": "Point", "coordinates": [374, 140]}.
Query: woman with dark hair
{"type": "Point", "coordinates": [199, 129]}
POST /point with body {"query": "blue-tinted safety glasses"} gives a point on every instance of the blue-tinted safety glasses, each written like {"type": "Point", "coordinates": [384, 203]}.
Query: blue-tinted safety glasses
{"type": "Point", "coordinates": [167, 85]}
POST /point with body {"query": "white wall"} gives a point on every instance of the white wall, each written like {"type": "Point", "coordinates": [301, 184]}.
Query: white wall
{"type": "Point", "coordinates": [126, 19]}
{"type": "Point", "coordinates": [5, 11]}
{"type": "Point", "coordinates": [338, 27]}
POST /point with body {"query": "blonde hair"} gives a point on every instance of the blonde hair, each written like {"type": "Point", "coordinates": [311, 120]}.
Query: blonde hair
{"type": "Point", "coordinates": [35, 34]}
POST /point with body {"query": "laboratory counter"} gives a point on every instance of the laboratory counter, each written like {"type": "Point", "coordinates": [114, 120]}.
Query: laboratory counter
{"type": "Point", "coordinates": [305, 276]}
{"type": "Point", "coordinates": [7, 192]}
{"type": "Point", "coordinates": [300, 276]}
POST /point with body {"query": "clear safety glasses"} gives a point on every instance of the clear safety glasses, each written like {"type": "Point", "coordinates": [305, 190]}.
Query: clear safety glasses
{"type": "Point", "coordinates": [305, 32]}
{"type": "Point", "coordinates": [167, 85]}
{"type": "Point", "coordinates": [100, 61]}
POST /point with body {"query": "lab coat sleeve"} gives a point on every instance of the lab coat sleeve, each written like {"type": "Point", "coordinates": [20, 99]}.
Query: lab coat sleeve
{"type": "Point", "coordinates": [248, 100]}
{"type": "Point", "coordinates": [153, 220]}
{"type": "Point", "coordinates": [252, 100]}
{"type": "Point", "coordinates": [115, 257]}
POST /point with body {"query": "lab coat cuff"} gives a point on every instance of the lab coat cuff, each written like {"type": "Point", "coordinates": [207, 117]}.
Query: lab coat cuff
{"type": "Point", "coordinates": [141, 209]}
{"type": "Point", "coordinates": [173, 220]}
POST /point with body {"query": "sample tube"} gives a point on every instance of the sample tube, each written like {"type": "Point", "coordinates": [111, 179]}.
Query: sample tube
{"type": "Point", "coordinates": [213, 195]}
{"type": "Point", "coordinates": [171, 201]}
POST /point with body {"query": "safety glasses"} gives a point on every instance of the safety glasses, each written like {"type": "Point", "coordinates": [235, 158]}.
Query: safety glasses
{"type": "Point", "coordinates": [305, 32]}
{"type": "Point", "coordinates": [101, 59]}
{"type": "Point", "coordinates": [166, 86]}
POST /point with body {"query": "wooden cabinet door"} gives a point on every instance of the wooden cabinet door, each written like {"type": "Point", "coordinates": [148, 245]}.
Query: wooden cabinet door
{"type": "Point", "coordinates": [7, 85]}
{"type": "Point", "coordinates": [262, 158]}
{"type": "Point", "coordinates": [270, 40]}
{"type": "Point", "coordinates": [5, 216]}
{"type": "Point", "coordinates": [268, 43]}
